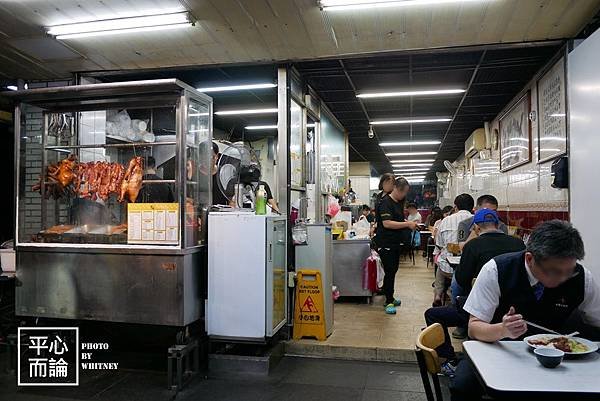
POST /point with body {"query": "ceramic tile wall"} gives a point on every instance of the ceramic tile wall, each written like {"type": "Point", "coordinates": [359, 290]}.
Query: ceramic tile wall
{"type": "Point", "coordinates": [526, 188]}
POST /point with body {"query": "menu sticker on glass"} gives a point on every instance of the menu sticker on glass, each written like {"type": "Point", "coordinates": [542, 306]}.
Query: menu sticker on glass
{"type": "Point", "coordinates": [153, 223]}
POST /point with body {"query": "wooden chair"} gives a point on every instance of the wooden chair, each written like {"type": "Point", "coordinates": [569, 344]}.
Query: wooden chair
{"type": "Point", "coordinates": [429, 362]}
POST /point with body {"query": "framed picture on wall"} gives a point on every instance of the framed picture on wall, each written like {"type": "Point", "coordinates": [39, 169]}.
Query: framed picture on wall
{"type": "Point", "coordinates": [552, 111]}
{"type": "Point", "coordinates": [515, 134]}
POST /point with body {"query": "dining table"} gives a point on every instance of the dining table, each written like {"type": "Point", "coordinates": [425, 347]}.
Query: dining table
{"type": "Point", "coordinates": [509, 368]}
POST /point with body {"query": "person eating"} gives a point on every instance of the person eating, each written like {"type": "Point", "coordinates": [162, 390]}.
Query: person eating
{"type": "Point", "coordinates": [543, 284]}
{"type": "Point", "coordinates": [447, 233]}
{"type": "Point", "coordinates": [490, 242]}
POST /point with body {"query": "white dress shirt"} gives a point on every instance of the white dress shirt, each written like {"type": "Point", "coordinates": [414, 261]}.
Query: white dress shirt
{"type": "Point", "coordinates": [447, 233]}
{"type": "Point", "coordinates": [417, 218]}
{"type": "Point", "coordinates": [485, 295]}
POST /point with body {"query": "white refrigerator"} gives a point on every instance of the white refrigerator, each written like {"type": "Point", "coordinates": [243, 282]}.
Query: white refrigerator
{"type": "Point", "coordinates": [247, 275]}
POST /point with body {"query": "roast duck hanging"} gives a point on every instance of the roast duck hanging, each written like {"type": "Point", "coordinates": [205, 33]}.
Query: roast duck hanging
{"type": "Point", "coordinates": [93, 180]}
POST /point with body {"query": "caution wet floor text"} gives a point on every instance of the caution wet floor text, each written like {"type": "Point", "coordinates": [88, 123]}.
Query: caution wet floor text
{"type": "Point", "coordinates": [309, 319]}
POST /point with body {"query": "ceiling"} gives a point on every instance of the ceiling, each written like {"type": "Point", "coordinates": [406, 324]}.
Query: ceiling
{"type": "Point", "coordinates": [491, 76]}
{"type": "Point", "coordinates": [251, 31]}
{"type": "Point", "coordinates": [226, 127]}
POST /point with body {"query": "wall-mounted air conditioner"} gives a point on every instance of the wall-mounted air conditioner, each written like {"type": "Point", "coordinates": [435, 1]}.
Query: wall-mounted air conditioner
{"type": "Point", "coordinates": [475, 142]}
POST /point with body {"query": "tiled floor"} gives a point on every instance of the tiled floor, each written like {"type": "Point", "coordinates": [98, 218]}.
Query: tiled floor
{"type": "Point", "coordinates": [293, 379]}
{"type": "Point", "coordinates": [365, 332]}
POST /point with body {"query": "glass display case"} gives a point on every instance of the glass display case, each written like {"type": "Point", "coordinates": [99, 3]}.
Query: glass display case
{"type": "Point", "coordinates": [114, 183]}
{"type": "Point", "coordinates": [111, 174]}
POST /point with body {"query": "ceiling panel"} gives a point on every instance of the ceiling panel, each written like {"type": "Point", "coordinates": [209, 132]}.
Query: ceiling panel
{"type": "Point", "coordinates": [250, 31]}
{"type": "Point", "coordinates": [497, 75]}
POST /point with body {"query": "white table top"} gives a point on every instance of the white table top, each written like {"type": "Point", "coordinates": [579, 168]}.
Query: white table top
{"type": "Point", "coordinates": [453, 260]}
{"type": "Point", "coordinates": [510, 366]}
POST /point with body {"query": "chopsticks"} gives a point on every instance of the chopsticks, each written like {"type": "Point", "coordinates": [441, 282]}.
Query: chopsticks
{"type": "Point", "coordinates": [537, 326]}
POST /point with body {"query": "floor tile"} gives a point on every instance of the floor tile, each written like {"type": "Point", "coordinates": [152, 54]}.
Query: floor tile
{"type": "Point", "coordinates": [307, 392]}
{"type": "Point", "coordinates": [332, 373]}
{"type": "Point", "coordinates": [394, 377]}
{"type": "Point", "coordinates": [222, 390]}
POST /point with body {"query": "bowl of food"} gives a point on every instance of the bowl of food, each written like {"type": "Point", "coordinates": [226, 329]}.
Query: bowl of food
{"type": "Point", "coordinates": [569, 345]}
{"type": "Point", "coordinates": [549, 357]}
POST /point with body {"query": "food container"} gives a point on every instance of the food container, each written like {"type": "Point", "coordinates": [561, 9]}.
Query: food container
{"type": "Point", "coordinates": [549, 357]}
{"type": "Point", "coordinates": [7, 260]}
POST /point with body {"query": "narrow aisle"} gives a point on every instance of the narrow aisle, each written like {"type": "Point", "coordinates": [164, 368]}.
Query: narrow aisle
{"type": "Point", "coordinates": [365, 332]}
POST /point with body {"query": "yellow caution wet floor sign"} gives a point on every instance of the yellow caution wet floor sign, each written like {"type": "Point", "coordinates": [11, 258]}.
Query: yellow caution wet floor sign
{"type": "Point", "coordinates": [309, 317]}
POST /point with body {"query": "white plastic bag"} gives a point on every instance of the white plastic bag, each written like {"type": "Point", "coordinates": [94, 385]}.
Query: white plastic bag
{"type": "Point", "coordinates": [362, 227]}
{"type": "Point", "coordinates": [380, 271]}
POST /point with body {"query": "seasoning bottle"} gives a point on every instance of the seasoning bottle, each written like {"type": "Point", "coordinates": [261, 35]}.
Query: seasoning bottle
{"type": "Point", "coordinates": [261, 200]}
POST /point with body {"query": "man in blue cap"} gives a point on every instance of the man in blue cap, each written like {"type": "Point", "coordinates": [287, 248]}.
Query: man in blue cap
{"type": "Point", "coordinates": [490, 242]}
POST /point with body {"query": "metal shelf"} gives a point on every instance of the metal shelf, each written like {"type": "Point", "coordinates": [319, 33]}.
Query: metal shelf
{"type": "Point", "coordinates": [143, 182]}
{"type": "Point", "coordinates": [111, 145]}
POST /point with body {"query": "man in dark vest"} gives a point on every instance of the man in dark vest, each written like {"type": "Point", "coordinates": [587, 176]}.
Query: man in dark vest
{"type": "Point", "coordinates": [543, 284]}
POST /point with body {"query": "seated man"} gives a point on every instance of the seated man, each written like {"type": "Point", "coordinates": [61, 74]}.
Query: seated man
{"type": "Point", "coordinates": [543, 284]}
{"type": "Point", "coordinates": [448, 233]}
{"type": "Point", "coordinates": [491, 242]}
{"type": "Point", "coordinates": [413, 213]}
{"type": "Point", "coordinates": [466, 229]}
{"type": "Point", "coordinates": [467, 232]}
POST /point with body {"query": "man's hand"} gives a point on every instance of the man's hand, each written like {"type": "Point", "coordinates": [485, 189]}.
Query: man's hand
{"type": "Point", "coordinates": [513, 325]}
{"type": "Point", "coordinates": [412, 225]}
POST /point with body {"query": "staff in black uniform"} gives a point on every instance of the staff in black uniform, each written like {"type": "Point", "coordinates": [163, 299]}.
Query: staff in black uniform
{"type": "Point", "coordinates": [159, 192]}
{"type": "Point", "coordinates": [392, 232]}
{"type": "Point", "coordinates": [386, 185]}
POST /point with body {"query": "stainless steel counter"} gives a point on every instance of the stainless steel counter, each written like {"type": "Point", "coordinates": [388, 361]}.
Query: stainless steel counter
{"type": "Point", "coordinates": [161, 289]}
{"type": "Point", "coordinates": [348, 259]}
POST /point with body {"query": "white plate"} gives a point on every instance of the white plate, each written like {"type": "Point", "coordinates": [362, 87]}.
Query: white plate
{"type": "Point", "coordinates": [592, 347]}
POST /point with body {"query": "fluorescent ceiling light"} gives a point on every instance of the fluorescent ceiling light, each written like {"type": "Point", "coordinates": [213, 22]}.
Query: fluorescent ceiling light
{"type": "Point", "coordinates": [402, 170]}
{"type": "Point", "coordinates": [411, 154]}
{"type": "Point", "coordinates": [409, 143]}
{"type": "Point", "coordinates": [121, 25]}
{"type": "Point", "coordinates": [410, 93]}
{"type": "Point", "coordinates": [413, 121]}
{"type": "Point", "coordinates": [247, 111]}
{"type": "Point", "coordinates": [341, 5]}
{"type": "Point", "coordinates": [311, 125]}
{"type": "Point", "coordinates": [258, 127]}
{"type": "Point", "coordinates": [413, 165]}
{"type": "Point", "coordinates": [414, 161]}
{"type": "Point", "coordinates": [409, 174]}
{"type": "Point", "coordinates": [12, 88]}
{"type": "Point", "coordinates": [263, 85]}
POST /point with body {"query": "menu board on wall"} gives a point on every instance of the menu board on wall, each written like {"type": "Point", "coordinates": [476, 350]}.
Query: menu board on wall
{"type": "Point", "coordinates": [552, 127]}
{"type": "Point", "coordinates": [153, 223]}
